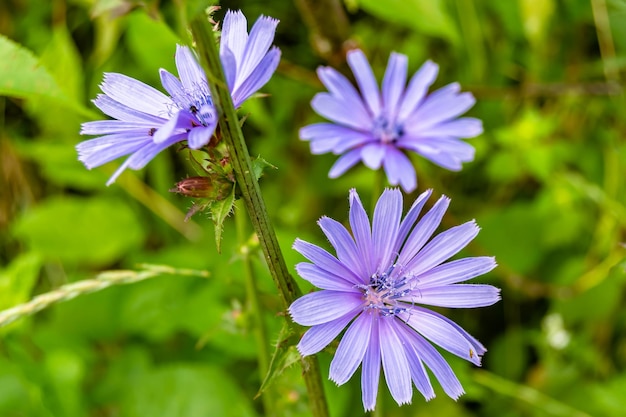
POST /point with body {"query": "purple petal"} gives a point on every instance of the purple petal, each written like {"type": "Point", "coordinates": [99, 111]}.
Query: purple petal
{"type": "Point", "coordinates": [200, 135]}
{"type": "Point", "coordinates": [339, 111]}
{"type": "Point", "coordinates": [344, 245]}
{"type": "Point", "coordinates": [234, 34]}
{"type": "Point", "coordinates": [189, 70]}
{"type": "Point", "coordinates": [323, 306]}
{"type": "Point", "coordinates": [257, 45]}
{"type": "Point", "coordinates": [456, 296]}
{"type": "Point", "coordinates": [456, 271]}
{"type": "Point", "coordinates": [106, 127]}
{"type": "Point", "coordinates": [416, 91]}
{"type": "Point", "coordinates": [439, 330]}
{"type": "Point", "coordinates": [318, 337]}
{"type": "Point", "coordinates": [179, 123]}
{"type": "Point", "coordinates": [172, 85]}
{"type": "Point", "coordinates": [423, 231]}
{"type": "Point", "coordinates": [370, 371]}
{"type": "Point", "coordinates": [386, 225]}
{"type": "Point", "coordinates": [229, 63]}
{"type": "Point", "coordinates": [465, 127]}
{"type": "Point", "coordinates": [399, 170]}
{"type": "Point", "coordinates": [135, 94]}
{"type": "Point", "coordinates": [444, 104]}
{"type": "Point", "coordinates": [340, 87]}
{"type": "Point", "coordinates": [323, 279]}
{"type": "Point", "coordinates": [395, 364]}
{"type": "Point", "coordinates": [258, 78]}
{"type": "Point", "coordinates": [418, 371]}
{"type": "Point", "coordinates": [120, 111]}
{"type": "Point", "coordinates": [411, 217]}
{"type": "Point", "coordinates": [345, 162]}
{"type": "Point", "coordinates": [99, 151]}
{"type": "Point", "coordinates": [360, 226]}
{"type": "Point", "coordinates": [325, 260]}
{"type": "Point", "coordinates": [372, 155]}
{"type": "Point", "coordinates": [327, 137]}
{"type": "Point", "coordinates": [351, 349]}
{"type": "Point", "coordinates": [365, 79]}
{"type": "Point", "coordinates": [442, 247]}
{"type": "Point", "coordinates": [394, 83]}
{"type": "Point", "coordinates": [438, 365]}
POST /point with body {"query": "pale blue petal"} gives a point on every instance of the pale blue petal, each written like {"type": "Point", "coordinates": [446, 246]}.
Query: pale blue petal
{"type": "Point", "coordinates": [229, 63]}
{"type": "Point", "coordinates": [257, 45]}
{"type": "Point", "coordinates": [329, 137]}
{"type": "Point", "coordinates": [465, 127]}
{"type": "Point", "coordinates": [325, 260]}
{"type": "Point", "coordinates": [423, 231]}
{"type": "Point", "coordinates": [234, 34]}
{"type": "Point", "coordinates": [456, 296]}
{"type": "Point", "coordinates": [105, 127]}
{"type": "Point", "coordinates": [135, 94]}
{"type": "Point", "coordinates": [179, 123]}
{"type": "Point", "coordinates": [189, 70]}
{"type": "Point", "coordinates": [344, 163]}
{"type": "Point", "coordinates": [339, 86]}
{"type": "Point", "coordinates": [172, 85]}
{"type": "Point", "coordinates": [399, 170]}
{"type": "Point", "coordinates": [441, 332]}
{"type": "Point", "coordinates": [443, 104]}
{"type": "Point", "coordinates": [258, 78]}
{"type": "Point", "coordinates": [351, 349]}
{"type": "Point", "coordinates": [456, 271]}
{"type": "Point", "coordinates": [318, 337]}
{"type": "Point", "coordinates": [119, 111]}
{"type": "Point", "coordinates": [385, 226]}
{"type": "Point", "coordinates": [344, 245]}
{"type": "Point", "coordinates": [410, 219]}
{"type": "Point", "coordinates": [200, 136]}
{"type": "Point", "coordinates": [438, 365]}
{"type": "Point", "coordinates": [372, 155]}
{"type": "Point", "coordinates": [446, 244]}
{"type": "Point", "coordinates": [418, 371]}
{"type": "Point", "coordinates": [370, 371]}
{"type": "Point", "coordinates": [323, 306]}
{"type": "Point", "coordinates": [338, 111]}
{"type": "Point", "coordinates": [416, 91]}
{"type": "Point", "coordinates": [395, 364]}
{"type": "Point", "coordinates": [394, 83]}
{"type": "Point", "coordinates": [99, 151]}
{"type": "Point", "coordinates": [323, 279]}
{"type": "Point", "coordinates": [365, 79]}
{"type": "Point", "coordinates": [360, 226]}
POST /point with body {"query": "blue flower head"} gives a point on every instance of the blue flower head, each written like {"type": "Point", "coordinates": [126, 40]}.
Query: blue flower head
{"type": "Point", "coordinates": [376, 126]}
{"type": "Point", "coordinates": [148, 121]}
{"type": "Point", "coordinates": [375, 288]}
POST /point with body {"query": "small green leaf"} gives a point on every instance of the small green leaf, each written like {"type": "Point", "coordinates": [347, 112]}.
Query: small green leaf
{"type": "Point", "coordinates": [284, 357]}
{"type": "Point", "coordinates": [259, 165]}
{"type": "Point", "coordinates": [18, 279]}
{"type": "Point", "coordinates": [219, 211]}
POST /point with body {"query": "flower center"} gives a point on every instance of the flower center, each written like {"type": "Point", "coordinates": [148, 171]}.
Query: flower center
{"type": "Point", "coordinates": [383, 292]}
{"type": "Point", "coordinates": [386, 131]}
{"type": "Point", "coordinates": [199, 103]}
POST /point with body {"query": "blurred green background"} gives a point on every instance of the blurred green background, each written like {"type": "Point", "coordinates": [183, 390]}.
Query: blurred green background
{"type": "Point", "coordinates": [546, 187]}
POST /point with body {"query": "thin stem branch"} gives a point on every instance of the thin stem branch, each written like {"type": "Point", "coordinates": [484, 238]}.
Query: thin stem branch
{"type": "Point", "coordinates": [251, 194]}
{"type": "Point", "coordinates": [102, 281]}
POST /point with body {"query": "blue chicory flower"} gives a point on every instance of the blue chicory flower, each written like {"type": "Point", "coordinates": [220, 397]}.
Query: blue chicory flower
{"type": "Point", "coordinates": [376, 126]}
{"type": "Point", "coordinates": [376, 286]}
{"type": "Point", "coordinates": [148, 121]}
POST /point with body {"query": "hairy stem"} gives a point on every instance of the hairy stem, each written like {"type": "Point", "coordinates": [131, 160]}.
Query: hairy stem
{"type": "Point", "coordinates": [251, 194]}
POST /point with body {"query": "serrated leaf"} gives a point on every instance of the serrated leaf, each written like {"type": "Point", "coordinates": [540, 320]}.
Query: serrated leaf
{"type": "Point", "coordinates": [284, 357]}
{"type": "Point", "coordinates": [259, 165]}
{"type": "Point", "coordinates": [219, 211]}
{"type": "Point", "coordinates": [23, 76]}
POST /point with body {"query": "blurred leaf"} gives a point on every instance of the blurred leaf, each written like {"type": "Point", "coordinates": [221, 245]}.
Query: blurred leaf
{"type": "Point", "coordinates": [18, 279]}
{"type": "Point", "coordinates": [23, 76]}
{"type": "Point", "coordinates": [508, 355]}
{"type": "Point", "coordinates": [185, 390]}
{"type": "Point", "coordinates": [162, 40]}
{"type": "Point", "coordinates": [429, 17]}
{"type": "Point", "coordinates": [67, 371]}
{"type": "Point", "coordinates": [536, 16]}
{"type": "Point", "coordinates": [90, 231]}
{"type": "Point", "coordinates": [285, 355]}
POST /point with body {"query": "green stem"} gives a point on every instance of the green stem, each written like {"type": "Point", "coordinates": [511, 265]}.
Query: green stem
{"type": "Point", "coordinates": [251, 194]}
{"type": "Point", "coordinates": [254, 311]}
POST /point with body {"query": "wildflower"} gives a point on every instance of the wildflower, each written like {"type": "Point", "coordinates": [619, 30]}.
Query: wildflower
{"type": "Point", "coordinates": [376, 126]}
{"type": "Point", "coordinates": [376, 286]}
{"type": "Point", "coordinates": [148, 121]}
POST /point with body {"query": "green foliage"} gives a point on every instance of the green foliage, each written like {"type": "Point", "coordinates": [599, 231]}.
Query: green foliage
{"type": "Point", "coordinates": [546, 188]}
